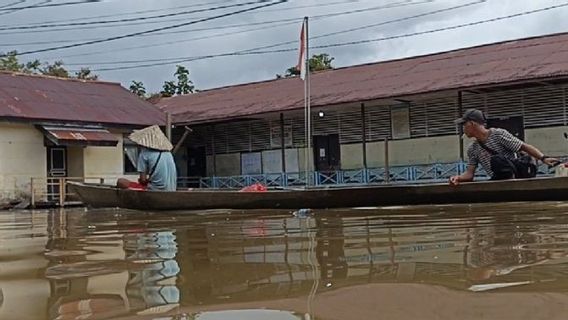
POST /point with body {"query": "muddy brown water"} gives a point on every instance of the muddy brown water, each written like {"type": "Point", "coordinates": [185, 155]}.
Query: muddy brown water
{"type": "Point", "coordinates": [503, 261]}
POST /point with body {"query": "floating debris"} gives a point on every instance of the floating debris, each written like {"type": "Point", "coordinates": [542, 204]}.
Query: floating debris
{"type": "Point", "coordinates": [302, 213]}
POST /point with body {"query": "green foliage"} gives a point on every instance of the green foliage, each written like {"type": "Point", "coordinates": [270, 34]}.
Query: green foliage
{"type": "Point", "coordinates": [181, 87]}
{"type": "Point", "coordinates": [86, 74]}
{"type": "Point", "coordinates": [137, 87]}
{"type": "Point", "coordinates": [10, 62]}
{"type": "Point", "coordinates": [318, 62]}
{"type": "Point", "coordinates": [169, 89]}
{"type": "Point", "coordinates": [55, 70]}
{"type": "Point", "coordinates": [184, 85]}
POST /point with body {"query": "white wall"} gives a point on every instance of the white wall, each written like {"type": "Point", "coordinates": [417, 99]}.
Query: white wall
{"type": "Point", "coordinates": [228, 164]}
{"type": "Point", "coordinates": [75, 162]}
{"type": "Point", "coordinates": [22, 156]}
{"type": "Point", "coordinates": [352, 156]}
{"type": "Point", "coordinates": [442, 149]}
{"type": "Point", "coordinates": [414, 151]}
{"type": "Point", "coordinates": [106, 162]}
{"type": "Point", "coordinates": [550, 141]}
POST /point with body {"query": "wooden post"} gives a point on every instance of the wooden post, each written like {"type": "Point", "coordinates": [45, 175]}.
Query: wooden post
{"type": "Point", "coordinates": [282, 142]}
{"type": "Point", "coordinates": [213, 151]}
{"type": "Point", "coordinates": [61, 192]}
{"type": "Point", "coordinates": [460, 128]}
{"type": "Point", "coordinates": [182, 140]}
{"type": "Point", "coordinates": [387, 169]}
{"type": "Point", "coordinates": [169, 126]}
{"type": "Point", "coordinates": [32, 190]}
{"type": "Point", "coordinates": [364, 135]}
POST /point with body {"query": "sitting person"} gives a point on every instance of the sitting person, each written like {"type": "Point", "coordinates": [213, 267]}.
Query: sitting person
{"type": "Point", "coordinates": [489, 142]}
{"type": "Point", "coordinates": [155, 163]}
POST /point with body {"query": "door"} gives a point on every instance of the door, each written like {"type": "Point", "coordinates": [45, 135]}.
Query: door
{"type": "Point", "coordinates": [56, 168]}
{"type": "Point", "coordinates": [196, 165]}
{"type": "Point", "coordinates": [327, 152]}
{"type": "Point", "coordinates": [515, 125]}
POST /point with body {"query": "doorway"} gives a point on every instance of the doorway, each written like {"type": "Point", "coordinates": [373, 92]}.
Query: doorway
{"type": "Point", "coordinates": [515, 125]}
{"type": "Point", "coordinates": [56, 168]}
{"type": "Point", "coordinates": [196, 164]}
{"type": "Point", "coordinates": [327, 152]}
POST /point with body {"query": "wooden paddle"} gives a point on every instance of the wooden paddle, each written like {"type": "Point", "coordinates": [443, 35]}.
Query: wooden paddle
{"type": "Point", "coordinates": [182, 140]}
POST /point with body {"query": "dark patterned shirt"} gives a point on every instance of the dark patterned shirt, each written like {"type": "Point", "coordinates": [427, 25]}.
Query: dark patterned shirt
{"type": "Point", "coordinates": [500, 141]}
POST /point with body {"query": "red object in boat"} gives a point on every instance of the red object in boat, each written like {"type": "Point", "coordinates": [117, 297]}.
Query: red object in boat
{"type": "Point", "coordinates": [137, 186]}
{"type": "Point", "coordinates": [257, 187]}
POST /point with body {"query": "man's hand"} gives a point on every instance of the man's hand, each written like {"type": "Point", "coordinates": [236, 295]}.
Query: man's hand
{"type": "Point", "coordinates": [454, 180]}
{"type": "Point", "coordinates": [551, 161]}
{"type": "Point", "coordinates": [143, 181]}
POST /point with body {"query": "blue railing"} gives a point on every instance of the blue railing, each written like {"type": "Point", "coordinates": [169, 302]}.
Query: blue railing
{"type": "Point", "coordinates": [397, 174]}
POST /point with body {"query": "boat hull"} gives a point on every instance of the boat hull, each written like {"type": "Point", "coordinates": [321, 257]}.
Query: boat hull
{"type": "Point", "coordinates": [538, 189]}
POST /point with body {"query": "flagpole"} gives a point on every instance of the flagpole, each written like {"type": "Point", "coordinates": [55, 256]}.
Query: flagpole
{"type": "Point", "coordinates": [307, 103]}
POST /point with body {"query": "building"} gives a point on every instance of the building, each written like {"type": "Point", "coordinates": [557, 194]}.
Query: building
{"type": "Point", "coordinates": [53, 127]}
{"type": "Point", "coordinates": [257, 130]}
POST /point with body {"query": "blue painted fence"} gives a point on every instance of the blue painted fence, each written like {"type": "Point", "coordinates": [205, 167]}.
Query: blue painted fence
{"type": "Point", "coordinates": [397, 174]}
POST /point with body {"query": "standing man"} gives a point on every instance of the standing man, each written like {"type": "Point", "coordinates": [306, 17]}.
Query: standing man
{"type": "Point", "coordinates": [155, 163]}
{"type": "Point", "coordinates": [488, 141]}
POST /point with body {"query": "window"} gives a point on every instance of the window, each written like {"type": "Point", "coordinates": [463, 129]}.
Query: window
{"type": "Point", "coordinates": [276, 135]}
{"type": "Point", "coordinates": [400, 122]}
{"type": "Point", "coordinates": [130, 156]}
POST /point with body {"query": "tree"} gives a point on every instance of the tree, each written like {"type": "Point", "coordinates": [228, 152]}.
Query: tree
{"type": "Point", "coordinates": [317, 62]}
{"type": "Point", "coordinates": [55, 70]}
{"type": "Point", "coordinates": [169, 89]}
{"type": "Point", "coordinates": [86, 74]}
{"type": "Point", "coordinates": [137, 87]}
{"type": "Point", "coordinates": [10, 62]}
{"type": "Point", "coordinates": [183, 85]}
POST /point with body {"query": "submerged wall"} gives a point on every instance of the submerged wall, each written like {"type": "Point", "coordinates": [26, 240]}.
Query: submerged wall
{"type": "Point", "coordinates": [22, 156]}
{"type": "Point", "coordinates": [417, 151]}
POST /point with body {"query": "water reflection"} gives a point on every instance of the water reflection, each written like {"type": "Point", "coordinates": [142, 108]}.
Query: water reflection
{"type": "Point", "coordinates": [335, 264]}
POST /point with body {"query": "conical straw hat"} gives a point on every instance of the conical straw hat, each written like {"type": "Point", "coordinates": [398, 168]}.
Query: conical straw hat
{"type": "Point", "coordinates": [151, 137]}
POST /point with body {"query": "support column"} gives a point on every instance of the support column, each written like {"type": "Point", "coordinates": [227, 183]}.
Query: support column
{"type": "Point", "coordinates": [460, 129]}
{"type": "Point", "coordinates": [364, 135]}
{"type": "Point", "coordinates": [213, 151]}
{"type": "Point", "coordinates": [282, 142]}
{"type": "Point", "coordinates": [387, 166]}
{"type": "Point", "coordinates": [169, 126]}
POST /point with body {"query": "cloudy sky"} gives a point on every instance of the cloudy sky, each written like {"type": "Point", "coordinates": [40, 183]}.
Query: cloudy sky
{"type": "Point", "coordinates": [31, 25]}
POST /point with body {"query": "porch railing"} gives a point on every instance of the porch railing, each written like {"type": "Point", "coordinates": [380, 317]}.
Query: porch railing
{"type": "Point", "coordinates": [53, 191]}
{"type": "Point", "coordinates": [396, 174]}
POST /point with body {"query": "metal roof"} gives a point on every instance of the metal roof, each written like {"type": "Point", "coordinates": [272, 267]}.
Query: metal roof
{"type": "Point", "coordinates": [530, 59]}
{"type": "Point", "coordinates": [33, 98]}
{"type": "Point", "coordinates": [64, 136]}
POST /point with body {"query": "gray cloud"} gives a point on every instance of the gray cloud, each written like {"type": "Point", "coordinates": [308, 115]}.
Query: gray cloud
{"type": "Point", "coordinates": [217, 72]}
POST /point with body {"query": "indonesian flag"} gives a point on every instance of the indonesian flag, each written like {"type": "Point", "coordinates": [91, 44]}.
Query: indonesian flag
{"type": "Point", "coordinates": [302, 59]}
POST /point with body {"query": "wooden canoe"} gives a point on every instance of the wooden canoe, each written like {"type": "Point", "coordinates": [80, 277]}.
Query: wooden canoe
{"type": "Point", "coordinates": [537, 189]}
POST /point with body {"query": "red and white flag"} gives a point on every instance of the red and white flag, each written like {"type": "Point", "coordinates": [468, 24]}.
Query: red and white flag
{"type": "Point", "coordinates": [302, 59]}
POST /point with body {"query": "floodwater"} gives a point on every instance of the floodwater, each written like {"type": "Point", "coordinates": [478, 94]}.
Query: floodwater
{"type": "Point", "coordinates": [504, 261]}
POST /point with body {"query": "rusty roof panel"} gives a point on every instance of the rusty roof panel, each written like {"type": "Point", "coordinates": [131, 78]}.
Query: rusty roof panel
{"type": "Point", "coordinates": [62, 136]}
{"type": "Point", "coordinates": [34, 97]}
{"type": "Point", "coordinates": [512, 61]}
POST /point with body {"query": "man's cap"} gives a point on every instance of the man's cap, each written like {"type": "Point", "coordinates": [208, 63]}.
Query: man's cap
{"type": "Point", "coordinates": [471, 115]}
